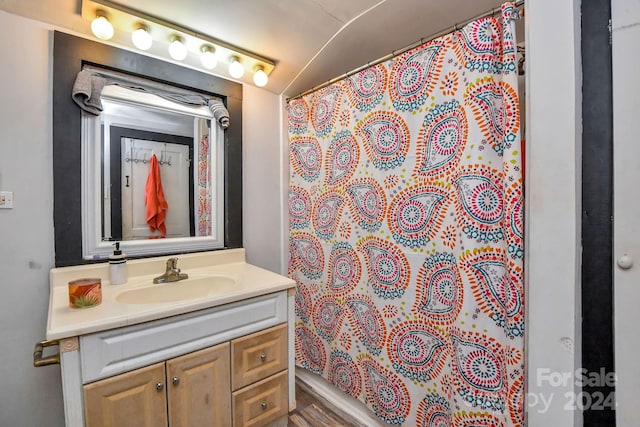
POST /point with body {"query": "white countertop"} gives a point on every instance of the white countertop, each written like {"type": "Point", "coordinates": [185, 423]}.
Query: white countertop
{"type": "Point", "coordinates": [64, 321]}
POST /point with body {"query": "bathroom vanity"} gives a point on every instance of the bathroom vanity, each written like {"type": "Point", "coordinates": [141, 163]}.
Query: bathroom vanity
{"type": "Point", "coordinates": [215, 346]}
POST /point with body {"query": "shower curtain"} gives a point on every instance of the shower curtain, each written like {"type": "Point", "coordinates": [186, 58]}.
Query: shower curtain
{"type": "Point", "coordinates": [204, 188]}
{"type": "Point", "coordinates": [406, 228]}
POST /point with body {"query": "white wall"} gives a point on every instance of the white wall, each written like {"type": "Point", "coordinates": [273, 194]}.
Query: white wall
{"type": "Point", "coordinates": [552, 218]}
{"type": "Point", "coordinates": [261, 170]}
{"type": "Point", "coordinates": [28, 396]}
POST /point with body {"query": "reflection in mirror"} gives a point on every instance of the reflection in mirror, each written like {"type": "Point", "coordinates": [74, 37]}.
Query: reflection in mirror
{"type": "Point", "coordinates": [129, 191]}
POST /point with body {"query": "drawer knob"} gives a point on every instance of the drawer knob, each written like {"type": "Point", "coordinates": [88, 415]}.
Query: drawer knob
{"type": "Point", "coordinates": [625, 262]}
{"type": "Point", "coordinates": [175, 380]}
{"type": "Point", "coordinates": [159, 386]}
{"type": "Point", "coordinates": [263, 405]}
{"type": "Point", "coordinates": [263, 357]}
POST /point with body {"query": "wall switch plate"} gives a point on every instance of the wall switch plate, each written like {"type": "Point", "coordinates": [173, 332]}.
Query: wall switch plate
{"type": "Point", "coordinates": [6, 199]}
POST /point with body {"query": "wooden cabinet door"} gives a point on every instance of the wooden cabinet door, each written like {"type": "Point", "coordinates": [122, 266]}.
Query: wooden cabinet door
{"type": "Point", "coordinates": [136, 398]}
{"type": "Point", "coordinates": [199, 388]}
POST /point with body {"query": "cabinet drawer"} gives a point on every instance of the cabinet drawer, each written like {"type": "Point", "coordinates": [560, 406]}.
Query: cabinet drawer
{"type": "Point", "coordinates": [112, 352]}
{"type": "Point", "coordinates": [261, 402]}
{"type": "Point", "coordinates": [259, 355]}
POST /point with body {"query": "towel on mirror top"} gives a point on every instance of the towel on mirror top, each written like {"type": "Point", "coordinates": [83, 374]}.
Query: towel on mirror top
{"type": "Point", "coordinates": [86, 91]}
{"type": "Point", "coordinates": [220, 112]}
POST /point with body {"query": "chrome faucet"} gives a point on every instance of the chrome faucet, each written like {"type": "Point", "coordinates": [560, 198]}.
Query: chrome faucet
{"type": "Point", "coordinates": [172, 273]}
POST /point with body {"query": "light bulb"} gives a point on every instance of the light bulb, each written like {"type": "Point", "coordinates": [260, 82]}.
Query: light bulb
{"type": "Point", "coordinates": [101, 26]}
{"type": "Point", "coordinates": [260, 78]}
{"type": "Point", "coordinates": [208, 57]}
{"type": "Point", "coordinates": [141, 37]}
{"type": "Point", "coordinates": [177, 49]}
{"type": "Point", "coordinates": [236, 70]}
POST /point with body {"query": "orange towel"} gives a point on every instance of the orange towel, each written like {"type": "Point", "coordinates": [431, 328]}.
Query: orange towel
{"type": "Point", "coordinates": [154, 199]}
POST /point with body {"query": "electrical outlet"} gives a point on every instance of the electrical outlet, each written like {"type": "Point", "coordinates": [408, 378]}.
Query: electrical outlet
{"type": "Point", "coordinates": [6, 199]}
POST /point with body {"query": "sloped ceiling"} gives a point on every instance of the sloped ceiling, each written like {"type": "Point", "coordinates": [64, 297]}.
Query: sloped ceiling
{"type": "Point", "coordinates": [311, 41]}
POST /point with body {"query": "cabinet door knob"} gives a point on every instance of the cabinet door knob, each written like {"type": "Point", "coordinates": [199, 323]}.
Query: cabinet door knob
{"type": "Point", "coordinates": [263, 405]}
{"type": "Point", "coordinates": [159, 386]}
{"type": "Point", "coordinates": [263, 357]}
{"type": "Point", "coordinates": [625, 262]}
{"type": "Point", "coordinates": [175, 380]}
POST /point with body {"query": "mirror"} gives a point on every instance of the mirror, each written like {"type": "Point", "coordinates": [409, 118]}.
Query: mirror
{"type": "Point", "coordinates": [187, 143]}
{"type": "Point", "coordinates": [90, 159]}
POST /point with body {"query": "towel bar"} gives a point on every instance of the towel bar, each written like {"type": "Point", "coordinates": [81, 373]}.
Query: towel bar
{"type": "Point", "coordinates": [38, 360]}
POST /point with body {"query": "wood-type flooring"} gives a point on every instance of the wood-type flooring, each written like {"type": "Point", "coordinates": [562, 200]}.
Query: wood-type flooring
{"type": "Point", "coordinates": [311, 412]}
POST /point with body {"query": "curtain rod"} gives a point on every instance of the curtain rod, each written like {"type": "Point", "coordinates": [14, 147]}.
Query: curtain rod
{"type": "Point", "coordinates": [393, 54]}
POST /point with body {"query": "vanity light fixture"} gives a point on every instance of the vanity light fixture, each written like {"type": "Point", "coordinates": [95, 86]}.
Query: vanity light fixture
{"type": "Point", "coordinates": [260, 78]}
{"type": "Point", "coordinates": [101, 27]}
{"type": "Point", "coordinates": [177, 49]}
{"type": "Point", "coordinates": [236, 69]}
{"type": "Point", "coordinates": [208, 57]}
{"type": "Point", "coordinates": [141, 37]}
{"type": "Point", "coordinates": [155, 34]}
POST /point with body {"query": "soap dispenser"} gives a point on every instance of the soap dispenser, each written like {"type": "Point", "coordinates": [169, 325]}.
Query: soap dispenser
{"type": "Point", "coordinates": [118, 266]}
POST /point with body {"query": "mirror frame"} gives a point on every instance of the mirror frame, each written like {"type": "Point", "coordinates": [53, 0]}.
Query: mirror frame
{"type": "Point", "coordinates": [70, 53]}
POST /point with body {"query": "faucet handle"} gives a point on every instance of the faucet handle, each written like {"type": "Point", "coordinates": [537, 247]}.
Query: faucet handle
{"type": "Point", "coordinates": [172, 263]}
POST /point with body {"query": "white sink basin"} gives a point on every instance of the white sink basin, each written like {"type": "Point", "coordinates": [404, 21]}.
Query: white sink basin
{"type": "Point", "coordinates": [197, 287]}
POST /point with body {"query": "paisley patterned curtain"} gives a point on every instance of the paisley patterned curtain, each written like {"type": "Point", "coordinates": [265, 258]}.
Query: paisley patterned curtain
{"type": "Point", "coordinates": [406, 228]}
{"type": "Point", "coordinates": [204, 189]}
